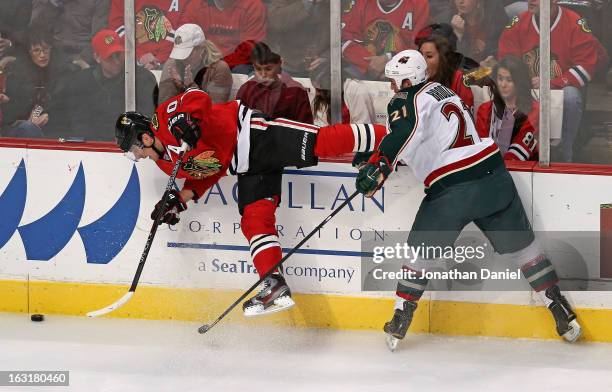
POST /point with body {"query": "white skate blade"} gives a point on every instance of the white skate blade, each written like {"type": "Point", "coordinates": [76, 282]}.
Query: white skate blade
{"type": "Point", "coordinates": [280, 304]}
{"type": "Point", "coordinates": [391, 342]}
{"type": "Point", "coordinates": [574, 333]}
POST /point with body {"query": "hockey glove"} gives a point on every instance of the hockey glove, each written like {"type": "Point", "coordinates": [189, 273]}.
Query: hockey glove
{"type": "Point", "coordinates": [171, 209]}
{"type": "Point", "coordinates": [373, 174]}
{"type": "Point", "coordinates": [184, 129]}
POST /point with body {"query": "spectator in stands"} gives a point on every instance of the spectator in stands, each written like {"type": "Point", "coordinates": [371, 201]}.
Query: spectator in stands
{"type": "Point", "coordinates": [441, 68]}
{"type": "Point", "coordinates": [575, 56]}
{"type": "Point", "coordinates": [91, 98]}
{"type": "Point", "coordinates": [74, 23]}
{"type": "Point", "coordinates": [195, 62]}
{"type": "Point", "coordinates": [156, 21]}
{"type": "Point", "coordinates": [298, 30]}
{"type": "Point", "coordinates": [233, 26]}
{"type": "Point", "coordinates": [440, 11]}
{"type": "Point", "coordinates": [478, 25]}
{"type": "Point", "coordinates": [14, 18]}
{"type": "Point", "coordinates": [29, 84]}
{"type": "Point", "coordinates": [445, 30]}
{"type": "Point", "coordinates": [373, 31]}
{"type": "Point", "coordinates": [321, 105]}
{"type": "Point", "coordinates": [511, 117]}
{"type": "Point", "coordinates": [271, 92]}
{"type": "Point", "coordinates": [357, 101]}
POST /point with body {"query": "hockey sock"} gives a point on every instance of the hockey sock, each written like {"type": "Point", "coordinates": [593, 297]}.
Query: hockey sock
{"type": "Point", "coordinates": [540, 273]}
{"type": "Point", "coordinates": [538, 270]}
{"type": "Point", "coordinates": [340, 139]}
{"type": "Point", "coordinates": [410, 289]}
{"type": "Point", "coordinates": [259, 227]}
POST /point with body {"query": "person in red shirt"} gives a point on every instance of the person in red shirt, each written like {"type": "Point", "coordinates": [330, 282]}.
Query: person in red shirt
{"type": "Point", "coordinates": [437, 52]}
{"type": "Point", "coordinates": [575, 56]}
{"type": "Point", "coordinates": [256, 148]}
{"type": "Point", "coordinates": [374, 30]}
{"type": "Point", "coordinates": [233, 26]}
{"type": "Point", "coordinates": [271, 91]}
{"type": "Point", "coordinates": [156, 21]}
{"type": "Point", "coordinates": [478, 25]}
{"type": "Point", "coordinates": [511, 117]}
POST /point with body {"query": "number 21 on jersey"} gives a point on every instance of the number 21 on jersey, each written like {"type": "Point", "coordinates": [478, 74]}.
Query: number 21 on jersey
{"type": "Point", "coordinates": [462, 138]}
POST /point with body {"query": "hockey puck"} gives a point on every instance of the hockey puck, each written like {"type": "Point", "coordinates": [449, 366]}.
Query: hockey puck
{"type": "Point", "coordinates": [37, 317]}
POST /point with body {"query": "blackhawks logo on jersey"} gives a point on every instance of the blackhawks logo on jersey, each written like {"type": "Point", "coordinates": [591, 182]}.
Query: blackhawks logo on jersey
{"type": "Point", "coordinates": [584, 26]}
{"type": "Point", "coordinates": [152, 25]}
{"type": "Point", "coordinates": [155, 122]}
{"type": "Point", "coordinates": [347, 5]}
{"type": "Point", "coordinates": [202, 165]}
{"type": "Point", "coordinates": [382, 37]}
{"type": "Point", "coordinates": [514, 21]}
{"type": "Point", "coordinates": [532, 59]}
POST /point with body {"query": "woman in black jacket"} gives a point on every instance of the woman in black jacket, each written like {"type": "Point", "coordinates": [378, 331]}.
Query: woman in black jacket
{"type": "Point", "coordinates": [29, 82]}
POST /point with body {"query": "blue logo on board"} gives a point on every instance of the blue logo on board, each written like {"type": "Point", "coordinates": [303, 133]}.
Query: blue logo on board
{"type": "Point", "coordinates": [48, 235]}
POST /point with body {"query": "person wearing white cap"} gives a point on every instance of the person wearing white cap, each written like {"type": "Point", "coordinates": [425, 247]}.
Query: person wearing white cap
{"type": "Point", "coordinates": [195, 62]}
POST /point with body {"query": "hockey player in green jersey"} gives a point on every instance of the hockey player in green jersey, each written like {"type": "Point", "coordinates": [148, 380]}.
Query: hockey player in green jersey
{"type": "Point", "coordinates": [432, 131]}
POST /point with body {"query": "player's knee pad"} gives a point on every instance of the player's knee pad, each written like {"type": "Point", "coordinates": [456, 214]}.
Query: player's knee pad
{"type": "Point", "coordinates": [258, 225]}
{"type": "Point", "coordinates": [536, 267]}
{"type": "Point", "coordinates": [258, 218]}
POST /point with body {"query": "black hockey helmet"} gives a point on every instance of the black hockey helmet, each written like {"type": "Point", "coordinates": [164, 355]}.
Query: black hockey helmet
{"type": "Point", "coordinates": [129, 129]}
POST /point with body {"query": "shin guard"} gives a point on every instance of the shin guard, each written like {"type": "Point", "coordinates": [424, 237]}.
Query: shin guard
{"type": "Point", "coordinates": [259, 227]}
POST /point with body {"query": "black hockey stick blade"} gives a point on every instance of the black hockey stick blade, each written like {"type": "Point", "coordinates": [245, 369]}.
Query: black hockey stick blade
{"type": "Point", "coordinates": [207, 327]}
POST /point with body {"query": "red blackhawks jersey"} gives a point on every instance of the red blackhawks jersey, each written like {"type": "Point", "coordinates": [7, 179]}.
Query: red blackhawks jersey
{"type": "Point", "coordinates": [156, 21]}
{"type": "Point", "coordinates": [464, 91]}
{"type": "Point", "coordinates": [209, 160]}
{"type": "Point", "coordinates": [575, 52]}
{"type": "Point", "coordinates": [369, 30]}
{"type": "Point", "coordinates": [523, 144]}
{"type": "Point", "coordinates": [234, 30]}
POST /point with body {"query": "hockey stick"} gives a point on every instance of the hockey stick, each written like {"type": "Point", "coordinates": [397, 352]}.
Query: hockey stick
{"type": "Point", "coordinates": [145, 253]}
{"type": "Point", "coordinates": [206, 327]}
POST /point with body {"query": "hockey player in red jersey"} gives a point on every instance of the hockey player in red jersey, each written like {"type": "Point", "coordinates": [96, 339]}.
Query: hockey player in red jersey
{"type": "Point", "coordinates": [431, 130]}
{"type": "Point", "coordinates": [374, 30]}
{"type": "Point", "coordinates": [256, 148]}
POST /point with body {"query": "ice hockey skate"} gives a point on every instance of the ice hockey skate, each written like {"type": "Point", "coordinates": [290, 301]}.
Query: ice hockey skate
{"type": "Point", "coordinates": [398, 326]}
{"type": "Point", "coordinates": [273, 297]}
{"type": "Point", "coordinates": [567, 325]}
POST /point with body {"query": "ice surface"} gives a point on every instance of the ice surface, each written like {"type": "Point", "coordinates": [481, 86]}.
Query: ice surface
{"type": "Point", "coordinates": [139, 355]}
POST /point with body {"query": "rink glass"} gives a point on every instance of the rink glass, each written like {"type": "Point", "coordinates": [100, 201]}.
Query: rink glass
{"type": "Point", "coordinates": [303, 58]}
